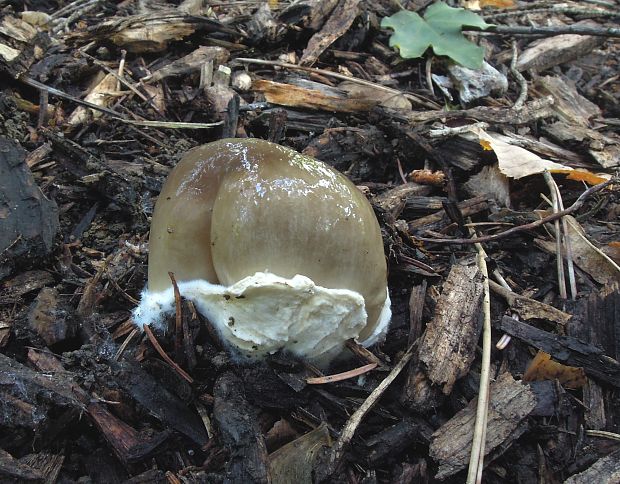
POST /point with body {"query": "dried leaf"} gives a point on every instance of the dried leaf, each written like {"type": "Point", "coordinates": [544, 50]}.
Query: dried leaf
{"type": "Point", "coordinates": [586, 255]}
{"type": "Point", "coordinates": [584, 176]}
{"type": "Point", "coordinates": [514, 161]}
{"type": "Point", "coordinates": [295, 462]}
{"type": "Point", "coordinates": [543, 367]}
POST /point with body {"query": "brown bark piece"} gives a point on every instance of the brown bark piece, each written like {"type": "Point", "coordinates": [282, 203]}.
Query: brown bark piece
{"type": "Point", "coordinates": [169, 408]}
{"type": "Point", "coordinates": [190, 63]}
{"type": "Point", "coordinates": [510, 402]}
{"type": "Point", "coordinates": [312, 95]}
{"type": "Point", "coordinates": [565, 349]}
{"type": "Point", "coordinates": [149, 32]}
{"type": "Point", "coordinates": [127, 443]}
{"type": "Point", "coordinates": [606, 469]}
{"type": "Point", "coordinates": [394, 439]}
{"type": "Point", "coordinates": [341, 18]}
{"type": "Point", "coordinates": [552, 51]}
{"type": "Point", "coordinates": [320, 13]}
{"type": "Point", "coordinates": [528, 308]}
{"type": "Point", "coordinates": [11, 470]}
{"type": "Point", "coordinates": [28, 220]}
{"type": "Point", "coordinates": [49, 319]}
{"type": "Point", "coordinates": [447, 347]}
{"type": "Point", "coordinates": [597, 320]}
{"type": "Point", "coordinates": [394, 201]}
{"type": "Point", "coordinates": [48, 465]}
{"type": "Point", "coordinates": [569, 105]}
{"type": "Point", "coordinates": [39, 388]}
{"type": "Point", "coordinates": [13, 290]}
{"type": "Point", "coordinates": [439, 220]}
{"type": "Point", "coordinates": [416, 306]}
{"type": "Point", "coordinates": [532, 111]}
{"type": "Point", "coordinates": [237, 423]}
{"type": "Point", "coordinates": [603, 146]}
{"type": "Point", "coordinates": [449, 342]}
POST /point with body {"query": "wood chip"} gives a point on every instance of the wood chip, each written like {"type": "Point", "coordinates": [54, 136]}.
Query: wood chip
{"type": "Point", "coordinates": [341, 18]}
{"type": "Point", "coordinates": [447, 347]}
{"type": "Point", "coordinates": [313, 96]}
{"type": "Point", "coordinates": [510, 402]}
{"type": "Point", "coordinates": [552, 51]}
{"type": "Point", "coordinates": [606, 469]}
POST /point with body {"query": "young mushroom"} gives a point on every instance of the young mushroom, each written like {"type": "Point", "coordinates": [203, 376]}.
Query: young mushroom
{"type": "Point", "coordinates": [276, 249]}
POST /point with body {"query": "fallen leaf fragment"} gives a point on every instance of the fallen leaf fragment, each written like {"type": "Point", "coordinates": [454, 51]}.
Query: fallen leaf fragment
{"type": "Point", "coordinates": [586, 255]}
{"type": "Point", "coordinates": [543, 367]}
{"type": "Point", "coordinates": [296, 461]}
{"type": "Point", "coordinates": [584, 176]}
{"type": "Point", "coordinates": [514, 161]}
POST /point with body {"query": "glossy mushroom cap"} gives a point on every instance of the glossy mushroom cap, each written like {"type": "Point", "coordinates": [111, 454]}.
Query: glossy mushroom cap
{"type": "Point", "coordinates": [236, 207]}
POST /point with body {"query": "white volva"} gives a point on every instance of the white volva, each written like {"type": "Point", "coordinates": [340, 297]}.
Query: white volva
{"type": "Point", "coordinates": [265, 313]}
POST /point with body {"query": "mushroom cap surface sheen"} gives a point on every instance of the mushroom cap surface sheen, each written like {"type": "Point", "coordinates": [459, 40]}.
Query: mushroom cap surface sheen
{"type": "Point", "coordinates": [236, 207]}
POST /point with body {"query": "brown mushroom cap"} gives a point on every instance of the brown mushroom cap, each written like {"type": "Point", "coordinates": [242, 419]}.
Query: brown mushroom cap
{"type": "Point", "coordinates": [235, 207]}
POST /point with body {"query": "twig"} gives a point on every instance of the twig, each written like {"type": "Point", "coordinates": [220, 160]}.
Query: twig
{"type": "Point", "coordinates": [429, 74]}
{"type": "Point", "coordinates": [568, 245]}
{"type": "Point", "coordinates": [422, 102]}
{"type": "Point", "coordinates": [476, 460]}
{"type": "Point", "coordinates": [603, 434]}
{"type": "Point", "coordinates": [400, 171]}
{"type": "Point", "coordinates": [178, 327]}
{"type": "Point", "coordinates": [361, 352]}
{"type": "Point", "coordinates": [79, 11]}
{"type": "Point", "coordinates": [520, 228]}
{"type": "Point", "coordinates": [547, 31]}
{"type": "Point", "coordinates": [448, 131]}
{"type": "Point", "coordinates": [123, 346]}
{"type": "Point", "coordinates": [337, 451]}
{"type": "Point", "coordinates": [554, 10]}
{"type": "Point", "coordinates": [345, 375]}
{"type": "Point", "coordinates": [558, 234]}
{"type": "Point", "coordinates": [520, 102]}
{"type": "Point", "coordinates": [115, 114]}
{"type": "Point", "coordinates": [121, 79]}
{"type": "Point", "coordinates": [162, 353]}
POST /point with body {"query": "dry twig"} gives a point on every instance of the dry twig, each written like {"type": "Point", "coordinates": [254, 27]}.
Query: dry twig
{"type": "Point", "coordinates": [476, 461]}
{"type": "Point", "coordinates": [558, 234]}
{"type": "Point", "coordinates": [345, 375]}
{"type": "Point", "coordinates": [412, 97]}
{"type": "Point", "coordinates": [337, 451]}
{"type": "Point", "coordinates": [160, 350]}
{"type": "Point", "coordinates": [520, 228]}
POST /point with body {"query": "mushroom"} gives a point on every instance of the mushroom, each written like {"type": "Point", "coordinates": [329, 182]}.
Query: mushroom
{"type": "Point", "coordinates": [277, 249]}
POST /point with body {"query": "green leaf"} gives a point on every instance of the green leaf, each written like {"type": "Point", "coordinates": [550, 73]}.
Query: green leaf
{"type": "Point", "coordinates": [440, 29]}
